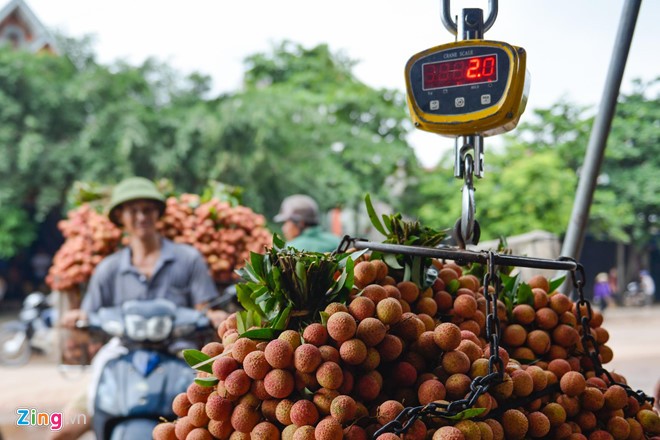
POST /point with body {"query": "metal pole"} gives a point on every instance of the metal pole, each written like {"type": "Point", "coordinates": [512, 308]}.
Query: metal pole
{"type": "Point", "coordinates": [572, 246]}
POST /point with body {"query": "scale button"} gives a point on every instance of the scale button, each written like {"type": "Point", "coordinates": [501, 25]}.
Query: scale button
{"type": "Point", "coordinates": [485, 99]}
{"type": "Point", "coordinates": [435, 104]}
{"type": "Point", "coordinates": [459, 102]}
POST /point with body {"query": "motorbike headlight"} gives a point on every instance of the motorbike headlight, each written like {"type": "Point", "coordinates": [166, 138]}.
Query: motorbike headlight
{"type": "Point", "coordinates": [159, 328]}
{"type": "Point", "coordinates": [113, 327]}
{"type": "Point", "coordinates": [136, 327]}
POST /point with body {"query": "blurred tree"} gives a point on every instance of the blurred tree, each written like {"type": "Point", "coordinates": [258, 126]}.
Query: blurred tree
{"type": "Point", "coordinates": [531, 182]}
{"type": "Point", "coordinates": [302, 123]}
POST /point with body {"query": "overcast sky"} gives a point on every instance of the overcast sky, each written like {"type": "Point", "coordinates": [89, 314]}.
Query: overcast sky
{"type": "Point", "coordinates": [569, 42]}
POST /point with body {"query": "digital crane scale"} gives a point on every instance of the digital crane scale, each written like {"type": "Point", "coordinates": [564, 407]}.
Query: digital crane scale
{"type": "Point", "coordinates": [469, 87]}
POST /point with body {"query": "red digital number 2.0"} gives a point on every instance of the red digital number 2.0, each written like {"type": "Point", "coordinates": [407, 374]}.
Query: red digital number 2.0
{"type": "Point", "coordinates": [460, 72]}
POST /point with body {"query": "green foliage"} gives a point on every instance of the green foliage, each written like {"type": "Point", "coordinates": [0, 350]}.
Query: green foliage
{"type": "Point", "coordinates": [303, 123]}
{"type": "Point", "coordinates": [16, 231]}
{"type": "Point", "coordinates": [285, 284]}
{"type": "Point", "coordinates": [410, 233]}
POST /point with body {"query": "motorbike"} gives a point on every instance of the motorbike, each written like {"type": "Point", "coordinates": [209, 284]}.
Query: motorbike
{"type": "Point", "coordinates": [137, 387]}
{"type": "Point", "coordinates": [33, 330]}
{"type": "Point", "coordinates": [635, 296]}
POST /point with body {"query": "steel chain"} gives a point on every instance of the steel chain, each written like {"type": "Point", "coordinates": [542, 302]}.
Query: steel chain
{"type": "Point", "coordinates": [589, 342]}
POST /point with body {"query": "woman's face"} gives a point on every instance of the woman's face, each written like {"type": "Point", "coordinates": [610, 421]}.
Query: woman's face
{"type": "Point", "coordinates": [139, 217]}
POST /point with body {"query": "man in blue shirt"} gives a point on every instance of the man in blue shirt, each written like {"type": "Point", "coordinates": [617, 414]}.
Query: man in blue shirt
{"type": "Point", "coordinates": [149, 267]}
{"type": "Point", "coordinates": [299, 215]}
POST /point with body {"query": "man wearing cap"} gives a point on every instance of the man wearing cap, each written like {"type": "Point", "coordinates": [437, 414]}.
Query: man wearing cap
{"type": "Point", "coordinates": [299, 215]}
{"type": "Point", "coordinates": [151, 266]}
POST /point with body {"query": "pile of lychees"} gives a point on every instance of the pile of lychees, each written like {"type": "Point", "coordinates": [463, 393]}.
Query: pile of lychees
{"type": "Point", "coordinates": [393, 345]}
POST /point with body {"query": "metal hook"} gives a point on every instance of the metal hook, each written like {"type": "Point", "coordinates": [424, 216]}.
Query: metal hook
{"type": "Point", "coordinates": [451, 25]}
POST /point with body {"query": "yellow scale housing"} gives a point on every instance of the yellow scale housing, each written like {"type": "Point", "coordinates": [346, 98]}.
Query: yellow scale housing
{"type": "Point", "coordinates": [470, 87]}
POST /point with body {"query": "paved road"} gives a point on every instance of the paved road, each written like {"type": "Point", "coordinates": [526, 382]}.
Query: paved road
{"type": "Point", "coordinates": [634, 339]}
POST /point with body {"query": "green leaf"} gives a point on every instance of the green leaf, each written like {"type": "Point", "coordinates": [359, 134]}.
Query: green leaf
{"type": "Point", "coordinates": [416, 270]}
{"type": "Point", "coordinates": [278, 243]}
{"type": "Point", "coordinates": [373, 216]}
{"type": "Point", "coordinates": [555, 283]}
{"type": "Point", "coordinates": [262, 334]}
{"type": "Point", "coordinates": [406, 273]}
{"type": "Point", "coordinates": [390, 260]}
{"type": "Point", "coordinates": [453, 286]}
{"type": "Point", "coordinates": [508, 302]}
{"type": "Point", "coordinates": [207, 381]}
{"type": "Point", "coordinates": [282, 319]}
{"type": "Point", "coordinates": [257, 262]}
{"type": "Point", "coordinates": [467, 414]}
{"type": "Point", "coordinates": [194, 357]}
{"type": "Point", "coordinates": [324, 317]}
{"type": "Point", "coordinates": [240, 322]}
{"type": "Point", "coordinates": [525, 295]}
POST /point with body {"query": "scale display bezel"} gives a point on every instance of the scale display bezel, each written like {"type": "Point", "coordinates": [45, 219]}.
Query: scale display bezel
{"type": "Point", "coordinates": [485, 108]}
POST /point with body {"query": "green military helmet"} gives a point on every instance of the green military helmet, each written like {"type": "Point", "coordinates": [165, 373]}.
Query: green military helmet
{"type": "Point", "coordinates": [134, 188]}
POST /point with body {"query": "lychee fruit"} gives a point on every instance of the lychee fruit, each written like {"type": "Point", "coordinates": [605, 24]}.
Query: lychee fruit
{"type": "Point", "coordinates": [279, 383]}
{"type": "Point", "coordinates": [181, 404]}
{"type": "Point", "coordinates": [213, 349]}
{"type": "Point", "coordinates": [244, 418]}
{"type": "Point", "coordinates": [649, 420]}
{"type": "Point", "coordinates": [242, 347]}
{"type": "Point", "coordinates": [457, 386]}
{"type": "Point", "coordinates": [364, 274]}
{"type": "Point", "coordinates": [255, 365]}
{"type": "Point", "coordinates": [315, 334]}
{"type": "Point", "coordinates": [618, 427]}
{"type": "Point", "coordinates": [455, 362]}
{"type": "Point", "coordinates": [237, 383]}
{"type": "Point", "coordinates": [362, 308]}
{"type": "Point", "coordinates": [523, 314]}
{"type": "Point", "coordinates": [555, 413]}
{"type": "Point", "coordinates": [573, 383]}
{"type": "Point", "coordinates": [430, 391]}
{"type": "Point", "coordinates": [539, 282]}
{"type": "Point", "coordinates": [616, 397]}
{"type": "Point", "coordinates": [307, 358]}
{"type": "Point", "coordinates": [329, 375]}
{"type": "Point", "coordinates": [389, 311]}
{"type": "Point", "coordinates": [199, 434]}
{"type": "Point", "coordinates": [390, 348]}
{"type": "Point", "coordinates": [218, 408]}
{"type": "Point", "coordinates": [515, 424]}
{"type": "Point", "coordinates": [546, 318]}
{"type": "Point", "coordinates": [223, 366]}
{"type": "Point", "coordinates": [409, 291]}
{"type": "Point", "coordinates": [328, 429]}
{"type": "Point", "coordinates": [447, 336]}
{"type": "Point", "coordinates": [371, 331]}
{"type": "Point", "coordinates": [448, 433]}
{"type": "Point", "coordinates": [303, 412]}
{"type": "Point", "coordinates": [341, 326]}
{"type": "Point", "coordinates": [279, 354]}
{"type": "Point", "coordinates": [353, 351]}
{"type": "Point", "coordinates": [197, 393]}
{"type": "Point", "coordinates": [514, 335]}
{"type": "Point", "coordinates": [374, 292]}
{"type": "Point", "coordinates": [523, 384]}
{"type": "Point", "coordinates": [469, 429]}
{"type": "Point", "coordinates": [265, 431]}
{"type": "Point", "coordinates": [164, 431]}
{"type": "Point", "coordinates": [592, 399]}
{"type": "Point", "coordinates": [465, 306]}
